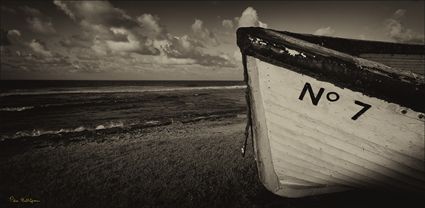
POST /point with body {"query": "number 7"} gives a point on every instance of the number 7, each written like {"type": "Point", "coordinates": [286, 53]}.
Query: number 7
{"type": "Point", "coordinates": [363, 110]}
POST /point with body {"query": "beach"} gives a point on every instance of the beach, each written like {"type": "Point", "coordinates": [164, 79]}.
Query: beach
{"type": "Point", "coordinates": [185, 152]}
{"type": "Point", "coordinates": [172, 166]}
{"type": "Point", "coordinates": [195, 164]}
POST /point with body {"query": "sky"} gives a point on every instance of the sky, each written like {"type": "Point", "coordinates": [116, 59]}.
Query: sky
{"type": "Point", "coordinates": [176, 40]}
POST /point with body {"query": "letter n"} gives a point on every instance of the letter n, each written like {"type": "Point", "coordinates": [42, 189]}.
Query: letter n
{"type": "Point", "coordinates": [314, 99]}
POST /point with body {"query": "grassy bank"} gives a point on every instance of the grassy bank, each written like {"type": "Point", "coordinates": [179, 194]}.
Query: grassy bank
{"type": "Point", "coordinates": [177, 165]}
{"type": "Point", "coordinates": [180, 165]}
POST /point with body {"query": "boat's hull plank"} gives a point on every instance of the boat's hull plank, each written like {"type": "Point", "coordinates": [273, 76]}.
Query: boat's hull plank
{"type": "Point", "coordinates": [321, 135]}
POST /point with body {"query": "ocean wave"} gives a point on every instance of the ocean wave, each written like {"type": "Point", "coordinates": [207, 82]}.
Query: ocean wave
{"type": "Point", "coordinates": [24, 108]}
{"type": "Point", "coordinates": [13, 109]}
{"type": "Point", "coordinates": [52, 92]}
{"type": "Point", "coordinates": [39, 132]}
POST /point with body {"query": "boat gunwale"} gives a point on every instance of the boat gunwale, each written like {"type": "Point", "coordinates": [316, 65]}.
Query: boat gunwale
{"type": "Point", "coordinates": [343, 70]}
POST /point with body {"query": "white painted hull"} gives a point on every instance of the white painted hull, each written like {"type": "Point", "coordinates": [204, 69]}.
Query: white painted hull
{"type": "Point", "coordinates": [305, 149]}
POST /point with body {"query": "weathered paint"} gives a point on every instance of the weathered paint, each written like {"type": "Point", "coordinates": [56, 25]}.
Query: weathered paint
{"type": "Point", "coordinates": [327, 121]}
{"type": "Point", "coordinates": [344, 70]}
{"type": "Point", "coordinates": [322, 146]}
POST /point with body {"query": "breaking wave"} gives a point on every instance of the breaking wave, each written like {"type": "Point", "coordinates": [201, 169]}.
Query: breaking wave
{"type": "Point", "coordinates": [14, 109]}
{"type": "Point", "coordinates": [100, 127]}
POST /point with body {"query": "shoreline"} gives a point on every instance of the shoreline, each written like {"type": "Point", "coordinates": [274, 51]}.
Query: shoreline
{"type": "Point", "coordinates": [195, 164]}
{"type": "Point", "coordinates": [183, 160]}
{"type": "Point", "coordinates": [101, 129]}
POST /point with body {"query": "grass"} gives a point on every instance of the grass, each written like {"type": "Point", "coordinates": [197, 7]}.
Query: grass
{"type": "Point", "coordinates": [172, 166]}
{"type": "Point", "coordinates": [180, 165]}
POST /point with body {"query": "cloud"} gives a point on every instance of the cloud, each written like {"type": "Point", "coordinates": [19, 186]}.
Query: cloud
{"type": "Point", "coordinates": [131, 45]}
{"type": "Point", "coordinates": [203, 34]}
{"type": "Point", "coordinates": [39, 48]}
{"type": "Point", "coordinates": [80, 44]}
{"type": "Point", "coordinates": [13, 33]}
{"type": "Point", "coordinates": [100, 47]}
{"type": "Point", "coordinates": [262, 24]}
{"type": "Point", "coordinates": [112, 32]}
{"type": "Point", "coordinates": [324, 31]}
{"type": "Point", "coordinates": [399, 13]}
{"type": "Point", "coordinates": [150, 24]}
{"type": "Point", "coordinates": [249, 18]}
{"type": "Point", "coordinates": [96, 13]}
{"type": "Point", "coordinates": [398, 32]}
{"type": "Point", "coordinates": [75, 41]}
{"type": "Point", "coordinates": [162, 59]}
{"type": "Point", "coordinates": [227, 24]}
{"type": "Point", "coordinates": [111, 29]}
{"type": "Point", "coordinates": [188, 47]}
{"type": "Point", "coordinates": [14, 37]}
{"type": "Point", "coordinates": [237, 55]}
{"type": "Point", "coordinates": [94, 30]}
{"type": "Point", "coordinates": [185, 47]}
{"type": "Point", "coordinates": [39, 26]}
{"type": "Point", "coordinates": [28, 62]}
{"type": "Point", "coordinates": [64, 8]}
{"type": "Point", "coordinates": [179, 47]}
{"type": "Point", "coordinates": [212, 60]}
{"type": "Point", "coordinates": [36, 21]}
{"type": "Point", "coordinates": [31, 11]}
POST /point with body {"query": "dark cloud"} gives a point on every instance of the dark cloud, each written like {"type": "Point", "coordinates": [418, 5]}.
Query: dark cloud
{"type": "Point", "coordinates": [64, 8]}
{"type": "Point", "coordinates": [82, 36]}
{"type": "Point", "coordinates": [96, 12]}
{"type": "Point", "coordinates": [22, 50]}
{"type": "Point", "coordinates": [115, 32]}
{"type": "Point", "coordinates": [108, 40]}
{"type": "Point", "coordinates": [86, 58]}
{"type": "Point", "coordinates": [31, 11]}
{"type": "Point", "coordinates": [7, 9]}
{"type": "Point", "coordinates": [112, 30]}
{"type": "Point", "coordinates": [36, 24]}
{"type": "Point", "coordinates": [15, 37]}
{"type": "Point", "coordinates": [398, 32]}
{"type": "Point", "coordinates": [70, 42]}
{"type": "Point", "coordinates": [37, 21]}
{"type": "Point", "coordinates": [35, 61]}
{"type": "Point", "coordinates": [80, 40]}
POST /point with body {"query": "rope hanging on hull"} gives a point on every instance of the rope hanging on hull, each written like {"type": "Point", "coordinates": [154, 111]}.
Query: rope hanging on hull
{"type": "Point", "coordinates": [248, 127]}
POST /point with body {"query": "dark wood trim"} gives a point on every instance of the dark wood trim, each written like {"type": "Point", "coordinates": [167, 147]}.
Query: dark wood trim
{"type": "Point", "coordinates": [338, 67]}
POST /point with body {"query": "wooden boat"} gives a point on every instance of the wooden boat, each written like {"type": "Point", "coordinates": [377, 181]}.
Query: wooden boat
{"type": "Point", "coordinates": [332, 114]}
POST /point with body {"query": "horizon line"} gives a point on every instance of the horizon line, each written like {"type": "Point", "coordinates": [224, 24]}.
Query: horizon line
{"type": "Point", "coordinates": [117, 80]}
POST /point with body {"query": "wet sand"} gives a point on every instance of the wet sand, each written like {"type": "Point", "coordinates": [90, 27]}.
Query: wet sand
{"type": "Point", "coordinates": [192, 164]}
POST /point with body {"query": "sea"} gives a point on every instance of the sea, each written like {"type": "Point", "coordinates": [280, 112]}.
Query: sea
{"type": "Point", "coordinates": [37, 108]}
